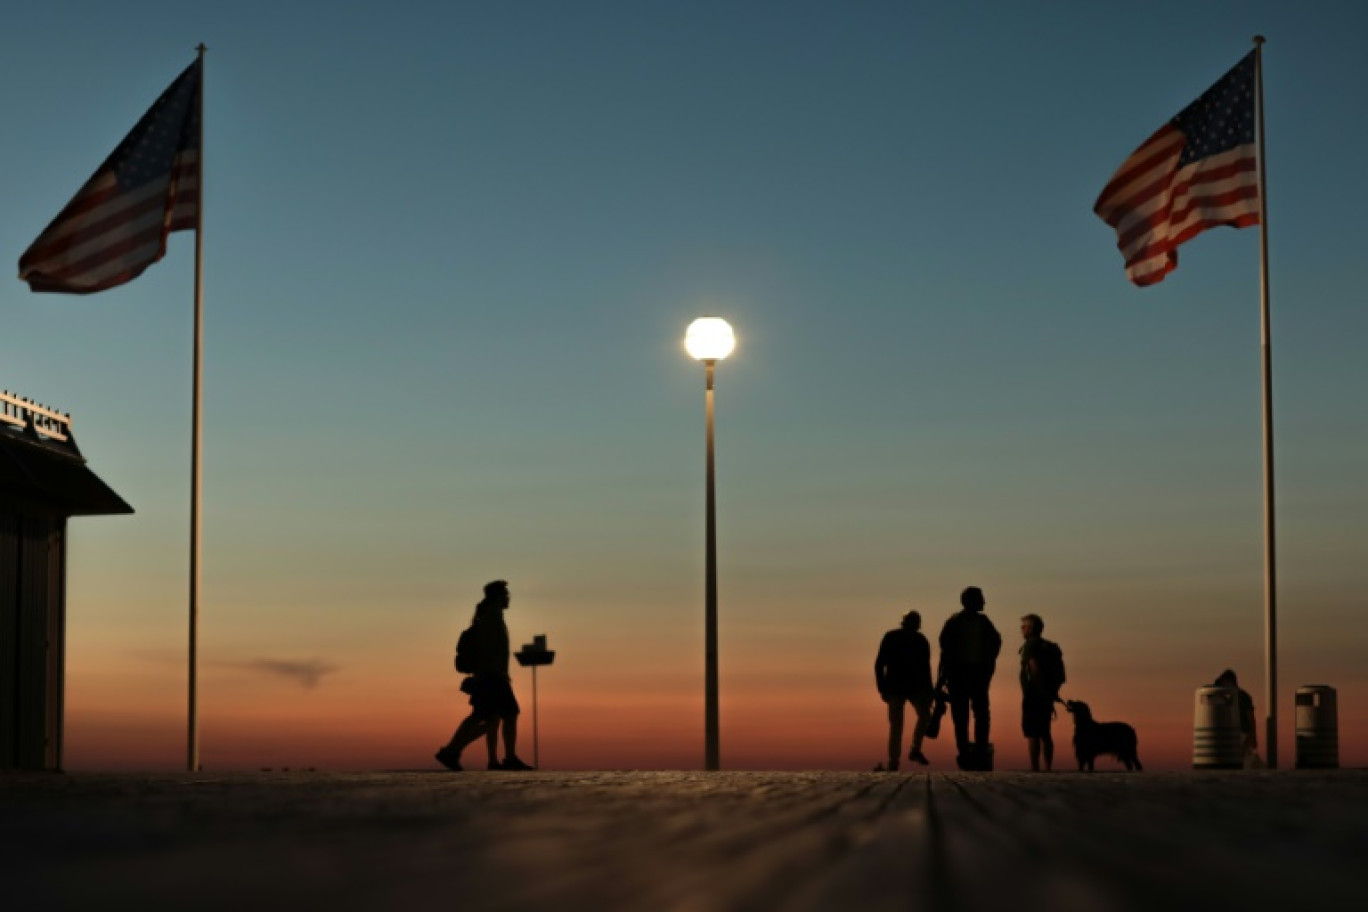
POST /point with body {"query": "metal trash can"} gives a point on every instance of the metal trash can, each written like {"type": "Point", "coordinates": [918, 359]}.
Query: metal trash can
{"type": "Point", "coordinates": [1216, 739]}
{"type": "Point", "coordinates": [1317, 728]}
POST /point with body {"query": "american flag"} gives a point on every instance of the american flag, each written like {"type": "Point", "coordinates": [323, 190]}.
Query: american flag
{"type": "Point", "coordinates": [1198, 171]}
{"type": "Point", "coordinates": [116, 225]}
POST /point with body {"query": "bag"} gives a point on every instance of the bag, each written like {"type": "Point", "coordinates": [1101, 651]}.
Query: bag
{"type": "Point", "coordinates": [1051, 665]}
{"type": "Point", "coordinates": [937, 714]}
{"type": "Point", "coordinates": [467, 650]}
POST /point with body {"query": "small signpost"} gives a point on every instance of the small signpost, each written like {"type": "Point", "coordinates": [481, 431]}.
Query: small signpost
{"type": "Point", "coordinates": [531, 656]}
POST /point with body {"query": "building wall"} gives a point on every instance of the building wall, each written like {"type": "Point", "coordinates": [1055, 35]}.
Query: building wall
{"type": "Point", "coordinates": [32, 644]}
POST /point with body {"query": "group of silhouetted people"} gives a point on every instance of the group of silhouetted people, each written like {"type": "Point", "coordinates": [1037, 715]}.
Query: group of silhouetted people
{"type": "Point", "coordinates": [969, 648]}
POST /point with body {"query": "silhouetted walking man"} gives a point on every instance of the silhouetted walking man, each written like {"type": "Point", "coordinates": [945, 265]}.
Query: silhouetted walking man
{"type": "Point", "coordinates": [902, 672]}
{"type": "Point", "coordinates": [491, 690]}
{"type": "Point", "coordinates": [969, 645]}
{"type": "Point", "coordinates": [1042, 674]}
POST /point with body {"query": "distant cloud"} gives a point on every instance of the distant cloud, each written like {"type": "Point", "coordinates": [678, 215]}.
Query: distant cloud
{"type": "Point", "coordinates": [307, 673]}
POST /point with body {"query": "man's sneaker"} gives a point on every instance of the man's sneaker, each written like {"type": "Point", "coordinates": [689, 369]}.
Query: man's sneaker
{"type": "Point", "coordinates": [494, 765]}
{"type": "Point", "coordinates": [918, 757]}
{"type": "Point", "coordinates": [514, 764]}
{"type": "Point", "coordinates": [449, 758]}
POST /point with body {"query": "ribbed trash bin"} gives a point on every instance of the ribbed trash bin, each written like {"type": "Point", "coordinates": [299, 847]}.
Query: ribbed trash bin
{"type": "Point", "coordinates": [1317, 728]}
{"type": "Point", "coordinates": [1216, 739]}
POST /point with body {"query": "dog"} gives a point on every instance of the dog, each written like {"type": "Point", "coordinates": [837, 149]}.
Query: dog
{"type": "Point", "coordinates": [1094, 738]}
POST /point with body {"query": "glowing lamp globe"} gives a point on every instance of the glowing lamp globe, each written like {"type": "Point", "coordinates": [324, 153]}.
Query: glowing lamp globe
{"type": "Point", "coordinates": [709, 339]}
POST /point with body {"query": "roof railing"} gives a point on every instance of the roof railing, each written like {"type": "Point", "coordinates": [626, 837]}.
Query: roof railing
{"type": "Point", "coordinates": [39, 420]}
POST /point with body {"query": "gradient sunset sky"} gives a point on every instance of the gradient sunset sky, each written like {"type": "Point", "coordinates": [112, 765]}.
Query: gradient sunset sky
{"type": "Point", "coordinates": [450, 254]}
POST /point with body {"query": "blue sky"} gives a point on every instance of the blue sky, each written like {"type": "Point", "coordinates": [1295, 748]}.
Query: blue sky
{"type": "Point", "coordinates": [451, 250]}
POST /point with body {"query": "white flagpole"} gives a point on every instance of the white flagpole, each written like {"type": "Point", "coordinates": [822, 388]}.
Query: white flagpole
{"type": "Point", "coordinates": [1266, 336]}
{"type": "Point", "coordinates": [196, 435]}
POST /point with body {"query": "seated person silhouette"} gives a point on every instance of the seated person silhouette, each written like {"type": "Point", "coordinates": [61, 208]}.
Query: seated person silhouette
{"type": "Point", "coordinates": [1249, 733]}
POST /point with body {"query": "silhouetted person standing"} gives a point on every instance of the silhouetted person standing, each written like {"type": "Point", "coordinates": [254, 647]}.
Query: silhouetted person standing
{"type": "Point", "coordinates": [490, 688]}
{"type": "Point", "coordinates": [902, 672]}
{"type": "Point", "coordinates": [1042, 674]}
{"type": "Point", "coordinates": [1249, 734]}
{"type": "Point", "coordinates": [969, 645]}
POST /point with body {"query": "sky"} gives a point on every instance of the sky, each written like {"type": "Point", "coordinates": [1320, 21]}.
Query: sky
{"type": "Point", "coordinates": [450, 253]}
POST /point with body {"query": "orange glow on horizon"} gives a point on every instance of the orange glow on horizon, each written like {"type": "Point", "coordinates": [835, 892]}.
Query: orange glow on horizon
{"type": "Point", "coordinates": [842, 729]}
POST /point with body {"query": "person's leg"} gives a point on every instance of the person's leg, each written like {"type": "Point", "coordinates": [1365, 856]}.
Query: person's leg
{"type": "Point", "coordinates": [505, 706]}
{"type": "Point", "coordinates": [959, 715]}
{"type": "Point", "coordinates": [492, 743]}
{"type": "Point", "coordinates": [923, 708]}
{"type": "Point", "coordinates": [1047, 742]}
{"type": "Point", "coordinates": [1035, 725]}
{"type": "Point", "coordinates": [982, 716]}
{"type": "Point", "coordinates": [471, 727]}
{"type": "Point", "coordinates": [895, 730]}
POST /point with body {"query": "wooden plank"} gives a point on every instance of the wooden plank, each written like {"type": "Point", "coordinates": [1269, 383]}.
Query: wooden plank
{"type": "Point", "coordinates": [687, 840]}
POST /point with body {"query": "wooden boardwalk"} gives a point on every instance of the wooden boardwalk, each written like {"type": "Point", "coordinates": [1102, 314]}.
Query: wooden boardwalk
{"type": "Point", "coordinates": [684, 841]}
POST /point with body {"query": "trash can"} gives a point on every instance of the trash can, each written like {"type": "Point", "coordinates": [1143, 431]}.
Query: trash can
{"type": "Point", "coordinates": [1216, 739]}
{"type": "Point", "coordinates": [1317, 728]}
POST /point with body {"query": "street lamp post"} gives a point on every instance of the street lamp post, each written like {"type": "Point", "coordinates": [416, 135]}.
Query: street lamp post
{"type": "Point", "coordinates": [709, 340]}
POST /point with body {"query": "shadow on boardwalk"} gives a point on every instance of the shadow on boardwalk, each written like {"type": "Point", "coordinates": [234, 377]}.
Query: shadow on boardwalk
{"type": "Point", "coordinates": [662, 841]}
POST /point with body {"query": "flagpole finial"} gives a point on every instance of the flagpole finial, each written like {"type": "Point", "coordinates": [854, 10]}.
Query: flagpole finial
{"type": "Point", "coordinates": [1258, 41]}
{"type": "Point", "coordinates": [201, 48]}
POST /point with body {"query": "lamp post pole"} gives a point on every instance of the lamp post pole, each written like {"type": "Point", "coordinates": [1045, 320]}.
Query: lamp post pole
{"type": "Point", "coordinates": [710, 722]}
{"type": "Point", "coordinates": [709, 340]}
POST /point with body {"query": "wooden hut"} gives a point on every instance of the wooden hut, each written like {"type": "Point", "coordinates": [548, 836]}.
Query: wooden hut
{"type": "Point", "coordinates": [44, 480]}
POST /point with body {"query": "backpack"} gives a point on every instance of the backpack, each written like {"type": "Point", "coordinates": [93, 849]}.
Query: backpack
{"type": "Point", "coordinates": [1051, 665]}
{"type": "Point", "coordinates": [467, 650]}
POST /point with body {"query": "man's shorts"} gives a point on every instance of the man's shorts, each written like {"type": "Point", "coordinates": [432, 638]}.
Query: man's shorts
{"type": "Point", "coordinates": [921, 701]}
{"type": "Point", "coordinates": [1036, 712]}
{"type": "Point", "coordinates": [492, 696]}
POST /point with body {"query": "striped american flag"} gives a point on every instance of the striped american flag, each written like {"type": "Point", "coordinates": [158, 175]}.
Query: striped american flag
{"type": "Point", "coordinates": [116, 225]}
{"type": "Point", "coordinates": [1198, 171]}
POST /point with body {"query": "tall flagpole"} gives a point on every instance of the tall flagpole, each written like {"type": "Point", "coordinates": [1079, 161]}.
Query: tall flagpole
{"type": "Point", "coordinates": [1266, 337]}
{"type": "Point", "coordinates": [196, 436]}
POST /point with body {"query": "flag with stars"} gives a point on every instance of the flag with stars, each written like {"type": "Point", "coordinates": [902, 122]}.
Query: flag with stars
{"type": "Point", "coordinates": [1198, 171]}
{"type": "Point", "coordinates": [116, 225]}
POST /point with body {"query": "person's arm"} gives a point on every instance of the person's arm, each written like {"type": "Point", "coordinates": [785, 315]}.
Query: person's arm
{"type": "Point", "coordinates": [881, 665]}
{"type": "Point", "coordinates": [995, 646]}
{"type": "Point", "coordinates": [922, 669]}
{"type": "Point", "coordinates": [942, 642]}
